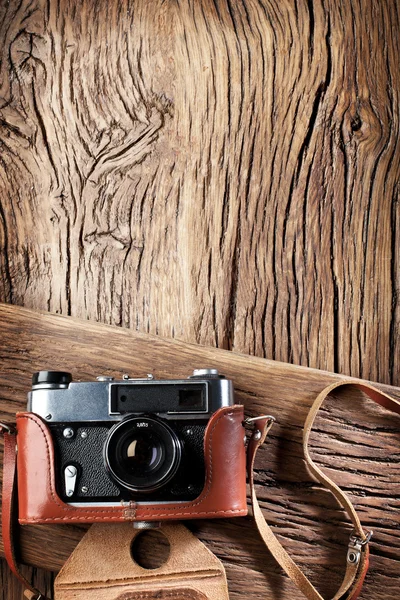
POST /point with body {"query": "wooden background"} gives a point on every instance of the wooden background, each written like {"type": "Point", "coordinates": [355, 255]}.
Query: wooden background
{"type": "Point", "coordinates": [224, 172]}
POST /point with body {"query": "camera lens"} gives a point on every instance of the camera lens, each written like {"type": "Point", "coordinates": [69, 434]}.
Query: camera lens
{"type": "Point", "coordinates": [142, 454]}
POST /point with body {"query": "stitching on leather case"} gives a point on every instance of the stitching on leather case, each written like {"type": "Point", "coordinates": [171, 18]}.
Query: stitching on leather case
{"type": "Point", "coordinates": [92, 516]}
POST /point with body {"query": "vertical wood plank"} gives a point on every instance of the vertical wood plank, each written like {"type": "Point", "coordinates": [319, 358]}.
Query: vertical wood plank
{"type": "Point", "coordinates": [268, 129]}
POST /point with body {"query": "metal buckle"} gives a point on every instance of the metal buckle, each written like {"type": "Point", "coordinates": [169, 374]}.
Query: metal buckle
{"type": "Point", "coordinates": [7, 428]}
{"type": "Point", "coordinates": [257, 434]}
{"type": "Point", "coordinates": [355, 547]}
{"type": "Point", "coordinates": [251, 420]}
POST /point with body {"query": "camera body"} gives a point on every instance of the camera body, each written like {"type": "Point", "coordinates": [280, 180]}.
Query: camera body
{"type": "Point", "coordinates": [130, 449]}
{"type": "Point", "coordinates": [134, 438]}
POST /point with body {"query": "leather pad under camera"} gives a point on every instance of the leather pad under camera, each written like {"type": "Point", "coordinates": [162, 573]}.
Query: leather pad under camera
{"type": "Point", "coordinates": [184, 594]}
{"type": "Point", "coordinates": [102, 567]}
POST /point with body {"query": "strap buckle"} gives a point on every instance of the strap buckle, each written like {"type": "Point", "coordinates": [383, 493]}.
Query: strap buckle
{"type": "Point", "coordinates": [6, 428]}
{"type": "Point", "coordinates": [355, 547]}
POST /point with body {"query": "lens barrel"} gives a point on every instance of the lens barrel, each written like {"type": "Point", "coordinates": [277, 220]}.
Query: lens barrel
{"type": "Point", "coordinates": [142, 454]}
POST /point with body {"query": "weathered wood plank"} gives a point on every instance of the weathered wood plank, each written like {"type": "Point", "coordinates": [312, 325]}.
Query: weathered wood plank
{"type": "Point", "coordinates": [12, 589]}
{"type": "Point", "coordinates": [355, 441]}
{"type": "Point", "coordinates": [220, 172]}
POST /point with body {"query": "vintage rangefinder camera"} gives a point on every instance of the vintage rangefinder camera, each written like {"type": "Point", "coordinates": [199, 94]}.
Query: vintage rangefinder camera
{"type": "Point", "coordinates": [130, 449]}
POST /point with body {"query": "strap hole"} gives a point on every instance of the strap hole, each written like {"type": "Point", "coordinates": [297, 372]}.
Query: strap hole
{"type": "Point", "coordinates": [150, 549]}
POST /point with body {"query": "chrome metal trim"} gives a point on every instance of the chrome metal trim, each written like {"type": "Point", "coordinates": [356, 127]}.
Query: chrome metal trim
{"type": "Point", "coordinates": [7, 428]}
{"type": "Point", "coordinates": [251, 420]}
{"type": "Point", "coordinates": [119, 504]}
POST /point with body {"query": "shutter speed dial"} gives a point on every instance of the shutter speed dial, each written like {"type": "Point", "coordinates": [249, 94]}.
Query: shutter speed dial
{"type": "Point", "coordinates": [51, 379]}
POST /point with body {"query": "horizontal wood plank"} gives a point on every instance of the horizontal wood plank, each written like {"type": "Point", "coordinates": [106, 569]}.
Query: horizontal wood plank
{"type": "Point", "coordinates": [355, 441]}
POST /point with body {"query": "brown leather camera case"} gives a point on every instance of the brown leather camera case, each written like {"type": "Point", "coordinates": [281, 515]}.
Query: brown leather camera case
{"type": "Point", "coordinates": [224, 493]}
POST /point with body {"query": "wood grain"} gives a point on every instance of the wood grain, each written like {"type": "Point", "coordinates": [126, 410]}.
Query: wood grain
{"type": "Point", "coordinates": [355, 441]}
{"type": "Point", "coordinates": [219, 172]}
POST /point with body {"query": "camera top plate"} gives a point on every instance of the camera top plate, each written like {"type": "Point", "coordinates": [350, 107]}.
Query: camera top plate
{"type": "Point", "coordinates": [112, 400]}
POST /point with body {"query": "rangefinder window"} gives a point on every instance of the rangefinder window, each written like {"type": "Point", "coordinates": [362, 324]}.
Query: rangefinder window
{"type": "Point", "coordinates": [192, 399]}
{"type": "Point", "coordinates": [185, 397]}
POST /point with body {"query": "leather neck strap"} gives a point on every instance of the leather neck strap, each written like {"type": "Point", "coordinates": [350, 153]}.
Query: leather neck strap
{"type": "Point", "coordinates": [358, 553]}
